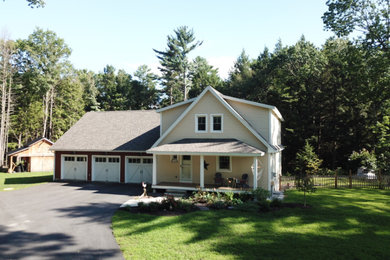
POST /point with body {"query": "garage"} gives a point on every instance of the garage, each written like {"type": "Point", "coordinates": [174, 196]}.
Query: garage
{"type": "Point", "coordinates": [74, 167]}
{"type": "Point", "coordinates": [106, 168]}
{"type": "Point", "coordinates": [139, 169]}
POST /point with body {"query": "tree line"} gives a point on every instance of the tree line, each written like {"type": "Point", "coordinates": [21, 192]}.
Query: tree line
{"type": "Point", "coordinates": [43, 95]}
{"type": "Point", "coordinates": [334, 97]}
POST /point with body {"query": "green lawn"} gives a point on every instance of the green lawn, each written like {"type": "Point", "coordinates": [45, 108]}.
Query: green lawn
{"type": "Point", "coordinates": [342, 224]}
{"type": "Point", "coordinates": [14, 181]}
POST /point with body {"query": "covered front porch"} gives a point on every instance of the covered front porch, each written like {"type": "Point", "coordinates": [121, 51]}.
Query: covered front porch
{"type": "Point", "coordinates": [212, 170]}
{"type": "Point", "coordinates": [196, 186]}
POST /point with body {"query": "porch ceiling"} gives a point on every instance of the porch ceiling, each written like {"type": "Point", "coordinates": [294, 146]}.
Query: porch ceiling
{"type": "Point", "coordinates": [196, 146]}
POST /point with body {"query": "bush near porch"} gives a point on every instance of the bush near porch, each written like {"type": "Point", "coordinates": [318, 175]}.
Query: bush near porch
{"type": "Point", "coordinates": [352, 224]}
{"type": "Point", "coordinates": [15, 181]}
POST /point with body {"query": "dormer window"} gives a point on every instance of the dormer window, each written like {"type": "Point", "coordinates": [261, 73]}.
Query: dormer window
{"type": "Point", "coordinates": [201, 123]}
{"type": "Point", "coordinates": [216, 123]}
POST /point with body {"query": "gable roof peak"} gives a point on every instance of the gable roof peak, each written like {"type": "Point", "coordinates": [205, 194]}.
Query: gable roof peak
{"type": "Point", "coordinates": [221, 99]}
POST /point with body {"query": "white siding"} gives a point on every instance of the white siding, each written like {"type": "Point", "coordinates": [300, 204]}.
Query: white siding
{"type": "Point", "coordinates": [256, 116]}
{"type": "Point", "coordinates": [232, 127]}
{"type": "Point", "coordinates": [275, 130]}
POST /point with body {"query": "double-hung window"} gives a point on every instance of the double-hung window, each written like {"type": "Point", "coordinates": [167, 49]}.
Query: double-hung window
{"type": "Point", "coordinates": [216, 123]}
{"type": "Point", "coordinates": [201, 123]}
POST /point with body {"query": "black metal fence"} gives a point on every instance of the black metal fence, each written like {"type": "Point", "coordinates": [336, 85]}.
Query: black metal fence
{"type": "Point", "coordinates": [341, 181]}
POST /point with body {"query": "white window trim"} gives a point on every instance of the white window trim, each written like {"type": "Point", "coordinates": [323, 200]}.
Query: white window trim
{"type": "Point", "coordinates": [224, 170]}
{"type": "Point", "coordinates": [212, 123]}
{"type": "Point", "coordinates": [196, 123]}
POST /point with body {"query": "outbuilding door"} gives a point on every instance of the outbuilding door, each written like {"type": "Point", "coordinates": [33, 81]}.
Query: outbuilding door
{"type": "Point", "coordinates": [139, 169]}
{"type": "Point", "coordinates": [74, 167]}
{"type": "Point", "coordinates": [106, 168]}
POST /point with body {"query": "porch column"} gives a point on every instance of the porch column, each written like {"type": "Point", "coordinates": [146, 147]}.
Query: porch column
{"type": "Point", "coordinates": [255, 173]}
{"type": "Point", "coordinates": [201, 167]}
{"type": "Point", "coordinates": [154, 180]}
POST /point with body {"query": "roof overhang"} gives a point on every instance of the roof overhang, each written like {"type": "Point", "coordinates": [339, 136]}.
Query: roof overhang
{"type": "Point", "coordinates": [95, 151]}
{"type": "Point", "coordinates": [175, 105]}
{"type": "Point", "coordinates": [209, 154]}
{"type": "Point", "coordinates": [272, 108]}
{"type": "Point", "coordinates": [196, 146]}
{"type": "Point", "coordinates": [18, 151]}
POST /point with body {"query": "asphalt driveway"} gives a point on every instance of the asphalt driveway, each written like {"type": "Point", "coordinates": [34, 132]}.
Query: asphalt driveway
{"type": "Point", "coordinates": [61, 221]}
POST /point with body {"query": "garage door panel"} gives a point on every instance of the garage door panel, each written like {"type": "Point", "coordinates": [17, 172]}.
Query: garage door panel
{"type": "Point", "coordinates": [138, 170]}
{"type": "Point", "coordinates": [74, 168]}
{"type": "Point", "coordinates": [106, 169]}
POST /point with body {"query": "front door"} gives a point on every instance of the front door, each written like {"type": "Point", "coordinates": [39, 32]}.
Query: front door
{"type": "Point", "coordinates": [186, 168]}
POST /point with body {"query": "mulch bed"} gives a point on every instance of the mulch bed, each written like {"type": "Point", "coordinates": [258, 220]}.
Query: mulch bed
{"type": "Point", "coordinates": [179, 212]}
{"type": "Point", "coordinates": [136, 210]}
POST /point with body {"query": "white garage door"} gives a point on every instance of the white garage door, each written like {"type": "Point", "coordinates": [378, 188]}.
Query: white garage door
{"type": "Point", "coordinates": [74, 167]}
{"type": "Point", "coordinates": [139, 170]}
{"type": "Point", "coordinates": [106, 168]}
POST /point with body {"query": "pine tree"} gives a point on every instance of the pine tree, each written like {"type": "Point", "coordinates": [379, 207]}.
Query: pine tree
{"type": "Point", "coordinates": [175, 66]}
{"type": "Point", "coordinates": [307, 165]}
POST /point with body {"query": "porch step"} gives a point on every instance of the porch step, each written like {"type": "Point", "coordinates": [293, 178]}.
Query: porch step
{"type": "Point", "coordinates": [175, 193]}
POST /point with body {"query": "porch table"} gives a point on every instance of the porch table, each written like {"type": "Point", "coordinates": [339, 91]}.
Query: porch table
{"type": "Point", "coordinates": [232, 182]}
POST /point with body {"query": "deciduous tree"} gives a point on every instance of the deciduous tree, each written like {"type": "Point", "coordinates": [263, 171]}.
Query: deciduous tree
{"type": "Point", "coordinates": [370, 18]}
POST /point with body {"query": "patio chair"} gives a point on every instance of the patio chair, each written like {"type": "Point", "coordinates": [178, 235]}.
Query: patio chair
{"type": "Point", "coordinates": [244, 181]}
{"type": "Point", "coordinates": [218, 180]}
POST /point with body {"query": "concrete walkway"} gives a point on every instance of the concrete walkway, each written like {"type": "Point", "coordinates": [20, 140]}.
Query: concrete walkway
{"type": "Point", "coordinates": [278, 195]}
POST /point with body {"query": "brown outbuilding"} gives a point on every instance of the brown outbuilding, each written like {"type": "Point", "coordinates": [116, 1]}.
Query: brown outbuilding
{"type": "Point", "coordinates": [35, 156]}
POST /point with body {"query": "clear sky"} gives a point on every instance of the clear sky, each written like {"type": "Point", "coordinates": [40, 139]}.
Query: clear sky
{"type": "Point", "coordinates": [123, 33]}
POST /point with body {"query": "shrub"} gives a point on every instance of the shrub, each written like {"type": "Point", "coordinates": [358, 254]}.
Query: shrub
{"type": "Point", "coordinates": [218, 205]}
{"type": "Point", "coordinates": [245, 196]}
{"type": "Point", "coordinates": [203, 197]}
{"type": "Point", "coordinates": [229, 196]}
{"type": "Point", "coordinates": [185, 205]}
{"type": "Point", "coordinates": [276, 203]}
{"type": "Point", "coordinates": [261, 194]}
{"type": "Point", "coordinates": [143, 207]}
{"type": "Point", "coordinates": [154, 206]}
{"type": "Point", "coordinates": [236, 201]}
{"type": "Point", "coordinates": [264, 205]}
{"type": "Point", "coordinates": [169, 203]}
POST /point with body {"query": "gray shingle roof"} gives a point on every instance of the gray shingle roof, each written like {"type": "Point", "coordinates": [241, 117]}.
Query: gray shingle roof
{"type": "Point", "coordinates": [112, 131]}
{"type": "Point", "coordinates": [206, 146]}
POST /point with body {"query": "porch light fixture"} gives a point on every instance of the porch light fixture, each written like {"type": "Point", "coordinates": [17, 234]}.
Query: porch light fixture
{"type": "Point", "coordinates": [174, 159]}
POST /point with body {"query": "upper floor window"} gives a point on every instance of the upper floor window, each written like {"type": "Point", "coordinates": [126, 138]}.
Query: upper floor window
{"type": "Point", "coordinates": [200, 123]}
{"type": "Point", "coordinates": [217, 123]}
